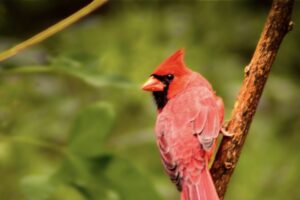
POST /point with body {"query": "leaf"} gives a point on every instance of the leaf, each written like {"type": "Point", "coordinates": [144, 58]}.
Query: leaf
{"type": "Point", "coordinates": [65, 66]}
{"type": "Point", "coordinates": [121, 176]}
{"type": "Point", "coordinates": [26, 70]}
{"type": "Point", "coordinates": [37, 187]}
{"type": "Point", "coordinates": [44, 187]}
{"type": "Point", "coordinates": [91, 129]}
{"type": "Point", "coordinates": [67, 192]}
{"type": "Point", "coordinates": [74, 170]}
{"type": "Point", "coordinates": [87, 74]}
{"type": "Point", "coordinates": [106, 177]}
{"type": "Point", "coordinates": [79, 173]}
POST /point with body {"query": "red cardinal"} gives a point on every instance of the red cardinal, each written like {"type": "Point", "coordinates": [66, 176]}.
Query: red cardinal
{"type": "Point", "coordinates": [190, 117]}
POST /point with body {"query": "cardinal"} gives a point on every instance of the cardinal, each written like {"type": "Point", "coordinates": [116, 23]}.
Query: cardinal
{"type": "Point", "coordinates": [189, 119]}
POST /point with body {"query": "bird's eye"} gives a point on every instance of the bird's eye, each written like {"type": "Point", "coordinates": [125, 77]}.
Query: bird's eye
{"type": "Point", "coordinates": [170, 76]}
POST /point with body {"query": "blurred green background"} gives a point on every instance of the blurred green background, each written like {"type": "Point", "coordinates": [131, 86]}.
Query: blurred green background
{"type": "Point", "coordinates": [74, 124]}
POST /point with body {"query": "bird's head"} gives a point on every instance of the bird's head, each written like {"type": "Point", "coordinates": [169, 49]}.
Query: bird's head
{"type": "Point", "coordinates": [168, 79]}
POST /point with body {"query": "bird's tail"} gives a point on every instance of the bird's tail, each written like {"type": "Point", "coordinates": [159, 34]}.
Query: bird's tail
{"type": "Point", "coordinates": [202, 190]}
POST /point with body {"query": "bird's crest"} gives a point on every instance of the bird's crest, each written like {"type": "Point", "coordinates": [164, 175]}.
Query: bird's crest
{"type": "Point", "coordinates": [172, 65]}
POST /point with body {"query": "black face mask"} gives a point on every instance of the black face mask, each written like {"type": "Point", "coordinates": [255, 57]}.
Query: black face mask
{"type": "Point", "coordinates": [161, 97]}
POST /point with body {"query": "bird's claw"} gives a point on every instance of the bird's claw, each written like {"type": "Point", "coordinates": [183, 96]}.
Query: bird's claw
{"type": "Point", "coordinates": [226, 133]}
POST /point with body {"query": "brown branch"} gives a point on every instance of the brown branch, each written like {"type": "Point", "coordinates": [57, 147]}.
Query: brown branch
{"type": "Point", "coordinates": [256, 73]}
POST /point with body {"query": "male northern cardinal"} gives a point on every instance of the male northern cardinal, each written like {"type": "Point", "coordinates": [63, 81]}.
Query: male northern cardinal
{"type": "Point", "coordinates": [190, 117]}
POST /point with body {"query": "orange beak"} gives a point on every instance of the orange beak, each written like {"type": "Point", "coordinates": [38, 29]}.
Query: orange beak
{"type": "Point", "coordinates": [153, 85]}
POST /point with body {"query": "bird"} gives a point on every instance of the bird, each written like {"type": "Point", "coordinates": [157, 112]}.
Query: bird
{"type": "Point", "coordinates": [189, 120]}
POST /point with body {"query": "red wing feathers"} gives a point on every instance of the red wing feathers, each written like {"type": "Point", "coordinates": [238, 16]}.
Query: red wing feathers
{"type": "Point", "coordinates": [166, 151]}
{"type": "Point", "coordinates": [207, 125]}
{"type": "Point", "coordinates": [198, 105]}
{"type": "Point", "coordinates": [191, 114]}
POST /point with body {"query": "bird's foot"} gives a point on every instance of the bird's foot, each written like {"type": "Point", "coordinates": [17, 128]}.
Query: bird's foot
{"type": "Point", "coordinates": [225, 132]}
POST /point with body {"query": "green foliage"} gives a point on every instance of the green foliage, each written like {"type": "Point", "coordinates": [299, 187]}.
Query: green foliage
{"type": "Point", "coordinates": [90, 130]}
{"type": "Point", "coordinates": [86, 171]}
{"type": "Point", "coordinates": [89, 75]}
{"type": "Point", "coordinates": [74, 124]}
{"type": "Point", "coordinates": [36, 187]}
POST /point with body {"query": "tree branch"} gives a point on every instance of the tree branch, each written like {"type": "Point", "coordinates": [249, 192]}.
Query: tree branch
{"type": "Point", "coordinates": [52, 30]}
{"type": "Point", "coordinates": [256, 73]}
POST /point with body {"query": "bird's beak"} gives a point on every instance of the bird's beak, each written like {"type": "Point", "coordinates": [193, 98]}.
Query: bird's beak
{"type": "Point", "coordinates": [153, 85]}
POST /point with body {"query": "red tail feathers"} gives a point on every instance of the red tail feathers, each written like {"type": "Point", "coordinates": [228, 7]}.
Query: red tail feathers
{"type": "Point", "coordinates": [203, 190]}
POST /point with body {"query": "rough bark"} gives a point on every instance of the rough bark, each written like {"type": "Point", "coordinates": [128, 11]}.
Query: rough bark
{"type": "Point", "coordinates": [256, 73]}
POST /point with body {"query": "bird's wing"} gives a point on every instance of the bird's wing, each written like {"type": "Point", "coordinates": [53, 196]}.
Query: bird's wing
{"type": "Point", "coordinates": [207, 123]}
{"type": "Point", "coordinates": [195, 112]}
{"type": "Point", "coordinates": [164, 128]}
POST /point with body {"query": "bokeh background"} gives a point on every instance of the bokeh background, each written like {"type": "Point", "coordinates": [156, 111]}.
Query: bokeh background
{"type": "Point", "coordinates": [74, 124]}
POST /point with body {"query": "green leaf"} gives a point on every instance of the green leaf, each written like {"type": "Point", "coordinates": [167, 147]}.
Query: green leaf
{"type": "Point", "coordinates": [87, 74]}
{"type": "Point", "coordinates": [43, 188]}
{"type": "Point", "coordinates": [91, 129]}
{"type": "Point", "coordinates": [106, 177]}
{"type": "Point", "coordinates": [79, 173]}
{"type": "Point", "coordinates": [74, 170]}
{"type": "Point", "coordinates": [123, 178]}
{"type": "Point", "coordinates": [65, 66]}
{"type": "Point", "coordinates": [37, 187]}
{"type": "Point", "coordinates": [26, 70]}
{"type": "Point", "coordinates": [67, 192]}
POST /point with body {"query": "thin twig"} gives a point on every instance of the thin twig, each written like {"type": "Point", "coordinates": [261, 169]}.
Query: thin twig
{"type": "Point", "coordinates": [52, 30]}
{"type": "Point", "coordinates": [256, 73]}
